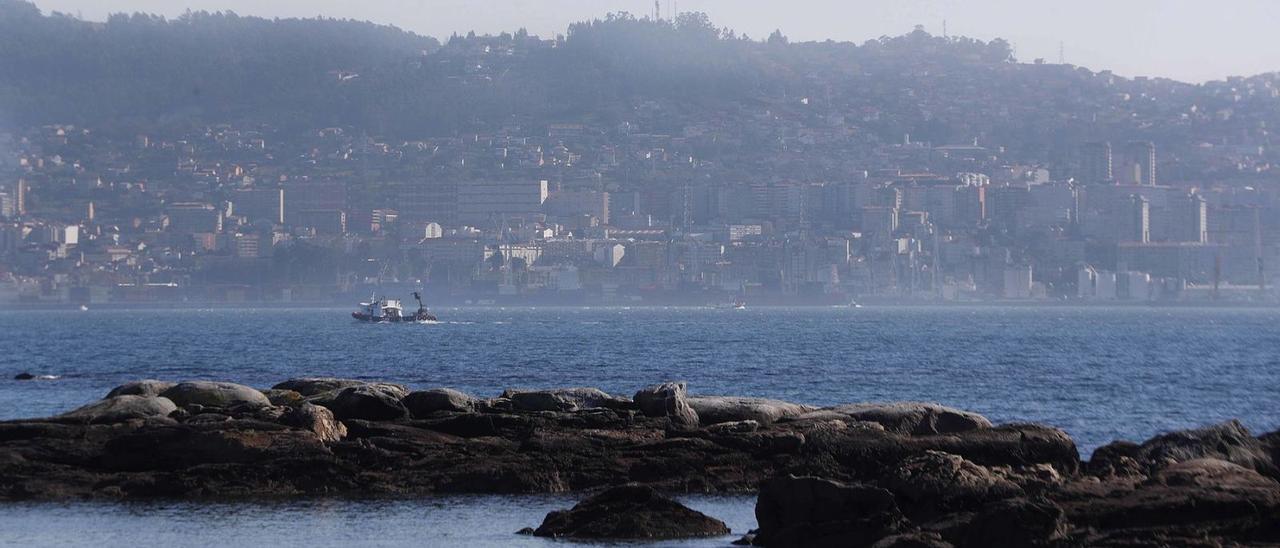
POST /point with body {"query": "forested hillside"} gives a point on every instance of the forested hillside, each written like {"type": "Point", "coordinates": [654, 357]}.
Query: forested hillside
{"type": "Point", "coordinates": [139, 71]}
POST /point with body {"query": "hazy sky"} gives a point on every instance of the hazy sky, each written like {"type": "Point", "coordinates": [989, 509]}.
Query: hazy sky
{"type": "Point", "coordinates": [1192, 40]}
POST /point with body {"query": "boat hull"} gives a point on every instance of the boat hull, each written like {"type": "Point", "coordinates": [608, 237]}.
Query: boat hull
{"type": "Point", "coordinates": [419, 317]}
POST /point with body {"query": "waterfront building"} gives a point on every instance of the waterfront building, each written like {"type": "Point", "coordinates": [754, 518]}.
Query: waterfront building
{"type": "Point", "coordinates": [487, 202]}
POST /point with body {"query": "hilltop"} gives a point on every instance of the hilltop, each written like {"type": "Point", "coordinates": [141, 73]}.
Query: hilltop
{"type": "Point", "coordinates": [141, 71]}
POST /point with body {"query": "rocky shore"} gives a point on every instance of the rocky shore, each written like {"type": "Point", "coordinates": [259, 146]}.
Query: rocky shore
{"type": "Point", "coordinates": [898, 474]}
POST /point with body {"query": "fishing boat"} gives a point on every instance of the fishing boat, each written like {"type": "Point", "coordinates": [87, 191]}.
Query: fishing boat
{"type": "Point", "coordinates": [737, 304]}
{"type": "Point", "coordinates": [380, 310]}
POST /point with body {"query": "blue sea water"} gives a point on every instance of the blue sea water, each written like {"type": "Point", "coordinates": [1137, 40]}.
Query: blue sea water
{"type": "Point", "coordinates": [1099, 373]}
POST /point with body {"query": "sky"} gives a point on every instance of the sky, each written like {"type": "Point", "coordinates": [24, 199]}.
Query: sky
{"type": "Point", "coordinates": [1188, 40]}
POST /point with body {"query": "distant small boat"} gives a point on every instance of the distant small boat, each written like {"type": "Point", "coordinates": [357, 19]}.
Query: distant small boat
{"type": "Point", "coordinates": [84, 308]}
{"type": "Point", "coordinates": [379, 310]}
{"type": "Point", "coordinates": [737, 304]}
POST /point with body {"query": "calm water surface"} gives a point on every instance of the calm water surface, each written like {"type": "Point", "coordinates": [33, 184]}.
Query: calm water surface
{"type": "Point", "coordinates": [1099, 373]}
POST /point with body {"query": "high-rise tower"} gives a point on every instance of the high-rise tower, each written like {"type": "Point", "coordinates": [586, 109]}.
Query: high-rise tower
{"type": "Point", "coordinates": [1095, 162]}
{"type": "Point", "coordinates": [22, 197]}
{"type": "Point", "coordinates": [1141, 224]}
{"type": "Point", "coordinates": [1192, 220]}
{"type": "Point", "coordinates": [1138, 164]}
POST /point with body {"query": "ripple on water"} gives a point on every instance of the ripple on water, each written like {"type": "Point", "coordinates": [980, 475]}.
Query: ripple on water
{"type": "Point", "coordinates": [1100, 373]}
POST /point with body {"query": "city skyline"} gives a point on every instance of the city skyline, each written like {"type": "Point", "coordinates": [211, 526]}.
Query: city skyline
{"type": "Point", "coordinates": [1178, 39]}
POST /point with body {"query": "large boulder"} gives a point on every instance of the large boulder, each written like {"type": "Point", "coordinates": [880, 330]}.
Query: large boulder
{"type": "Point", "coordinates": [1213, 473]}
{"type": "Point", "coordinates": [426, 402]}
{"type": "Point", "coordinates": [1197, 502]}
{"type": "Point", "coordinates": [315, 419]}
{"type": "Point", "coordinates": [1116, 459]}
{"type": "Point", "coordinates": [146, 387]}
{"type": "Point", "coordinates": [667, 400]}
{"type": "Point", "coordinates": [119, 409]}
{"type": "Point", "coordinates": [562, 399]}
{"type": "Point", "coordinates": [807, 511]}
{"type": "Point", "coordinates": [1229, 441]}
{"type": "Point", "coordinates": [1016, 522]}
{"type": "Point", "coordinates": [311, 386]}
{"type": "Point", "coordinates": [283, 397]}
{"type": "Point", "coordinates": [910, 417]}
{"type": "Point", "coordinates": [629, 512]}
{"type": "Point", "coordinates": [215, 394]}
{"type": "Point", "coordinates": [717, 409]}
{"type": "Point", "coordinates": [937, 482]}
{"type": "Point", "coordinates": [376, 402]}
{"type": "Point", "coordinates": [652, 400]}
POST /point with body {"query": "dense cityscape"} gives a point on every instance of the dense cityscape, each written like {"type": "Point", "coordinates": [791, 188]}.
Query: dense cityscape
{"type": "Point", "coordinates": [1145, 190]}
{"type": "Point", "coordinates": [613, 278]}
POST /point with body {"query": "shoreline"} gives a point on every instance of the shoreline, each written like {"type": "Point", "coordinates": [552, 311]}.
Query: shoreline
{"type": "Point", "coordinates": [323, 438]}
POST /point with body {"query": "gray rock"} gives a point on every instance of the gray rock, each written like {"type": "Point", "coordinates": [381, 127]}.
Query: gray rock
{"type": "Point", "coordinates": [809, 511]}
{"type": "Point", "coordinates": [215, 394]}
{"type": "Point", "coordinates": [425, 402]}
{"type": "Point", "coordinates": [630, 512]}
{"type": "Point", "coordinates": [1213, 473]}
{"type": "Point", "coordinates": [935, 482]}
{"type": "Point", "coordinates": [736, 427]}
{"type": "Point", "coordinates": [668, 400]}
{"type": "Point", "coordinates": [316, 419]}
{"type": "Point", "coordinates": [681, 415]}
{"type": "Point", "coordinates": [120, 409]}
{"type": "Point", "coordinates": [494, 405]}
{"type": "Point", "coordinates": [375, 402]}
{"type": "Point", "coordinates": [1229, 441]}
{"type": "Point", "coordinates": [323, 399]}
{"type": "Point", "coordinates": [207, 418]}
{"type": "Point", "coordinates": [652, 400]}
{"type": "Point", "coordinates": [1017, 522]}
{"type": "Point", "coordinates": [265, 414]}
{"type": "Point", "coordinates": [911, 417]}
{"type": "Point", "coordinates": [148, 387]}
{"type": "Point", "coordinates": [561, 399]}
{"type": "Point", "coordinates": [311, 386]}
{"type": "Point", "coordinates": [717, 409]}
{"type": "Point", "coordinates": [283, 397]}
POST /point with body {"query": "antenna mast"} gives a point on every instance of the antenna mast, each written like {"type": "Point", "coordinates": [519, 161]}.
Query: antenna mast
{"type": "Point", "coordinates": [1062, 53]}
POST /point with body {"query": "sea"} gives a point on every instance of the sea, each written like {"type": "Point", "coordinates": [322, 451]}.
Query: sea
{"type": "Point", "coordinates": [1100, 373]}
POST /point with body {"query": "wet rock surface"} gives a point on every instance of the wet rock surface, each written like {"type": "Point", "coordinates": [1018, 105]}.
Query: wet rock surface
{"type": "Point", "coordinates": [120, 409]}
{"type": "Point", "coordinates": [369, 402]}
{"type": "Point", "coordinates": [215, 394]}
{"type": "Point", "coordinates": [425, 402]}
{"type": "Point", "coordinates": [629, 512]}
{"type": "Point", "coordinates": [141, 388]}
{"type": "Point", "coordinates": [855, 475]}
